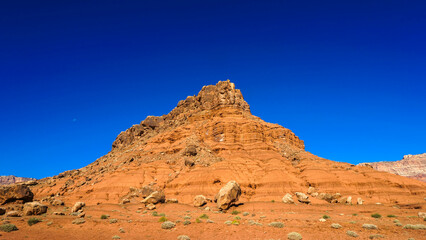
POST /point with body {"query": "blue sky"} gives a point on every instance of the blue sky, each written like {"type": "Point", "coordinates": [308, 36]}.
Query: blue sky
{"type": "Point", "coordinates": [348, 77]}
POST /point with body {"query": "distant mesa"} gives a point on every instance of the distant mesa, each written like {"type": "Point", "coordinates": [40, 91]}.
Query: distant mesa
{"type": "Point", "coordinates": [412, 166]}
{"type": "Point", "coordinates": [7, 180]}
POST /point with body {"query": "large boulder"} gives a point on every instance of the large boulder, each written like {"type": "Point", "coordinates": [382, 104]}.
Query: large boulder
{"type": "Point", "coordinates": [77, 206]}
{"type": "Point", "coordinates": [154, 198]}
{"type": "Point", "coordinates": [303, 198]}
{"type": "Point", "coordinates": [199, 201]}
{"type": "Point", "coordinates": [34, 208]}
{"type": "Point", "coordinates": [15, 192]}
{"type": "Point", "coordinates": [288, 198]}
{"type": "Point", "coordinates": [228, 195]}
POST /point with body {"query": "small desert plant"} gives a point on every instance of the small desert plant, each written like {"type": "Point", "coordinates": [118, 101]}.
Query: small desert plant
{"type": "Point", "coordinates": [187, 217]}
{"type": "Point", "coordinates": [246, 213]}
{"type": "Point", "coordinates": [325, 216]}
{"type": "Point", "coordinates": [116, 237]}
{"type": "Point", "coordinates": [355, 214]}
{"type": "Point", "coordinates": [186, 222]}
{"type": "Point", "coordinates": [103, 216]}
{"type": "Point", "coordinates": [162, 214]}
{"type": "Point", "coordinates": [237, 218]}
{"type": "Point", "coordinates": [273, 200]}
{"type": "Point", "coordinates": [162, 219]}
{"type": "Point", "coordinates": [155, 214]}
{"type": "Point", "coordinates": [276, 224]}
{"type": "Point", "coordinates": [235, 222]}
{"type": "Point", "coordinates": [113, 220]}
{"type": "Point", "coordinates": [33, 221]}
{"type": "Point", "coordinates": [204, 216]}
{"type": "Point", "coordinates": [391, 216]}
{"type": "Point", "coordinates": [376, 215]}
{"type": "Point", "coordinates": [8, 227]}
{"type": "Point", "coordinates": [352, 233]}
{"type": "Point", "coordinates": [415, 226]}
{"type": "Point", "coordinates": [235, 212]}
{"type": "Point", "coordinates": [198, 220]}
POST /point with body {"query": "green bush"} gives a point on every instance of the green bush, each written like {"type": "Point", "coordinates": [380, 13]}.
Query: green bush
{"type": "Point", "coordinates": [376, 215]}
{"type": "Point", "coordinates": [33, 221]}
{"type": "Point", "coordinates": [235, 222]}
{"type": "Point", "coordinates": [198, 220]}
{"type": "Point", "coordinates": [155, 214]}
{"type": "Point", "coordinates": [186, 222]}
{"type": "Point", "coordinates": [235, 212]}
{"type": "Point", "coordinates": [325, 216]}
{"type": "Point", "coordinates": [8, 227]}
{"type": "Point", "coordinates": [162, 219]}
{"type": "Point", "coordinates": [237, 218]}
{"type": "Point", "coordinates": [204, 216]}
{"type": "Point", "coordinates": [391, 216]}
{"type": "Point", "coordinates": [103, 216]}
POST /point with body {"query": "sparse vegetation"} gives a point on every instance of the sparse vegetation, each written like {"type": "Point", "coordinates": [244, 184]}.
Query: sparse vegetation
{"type": "Point", "coordinates": [168, 225]}
{"type": "Point", "coordinates": [336, 225]}
{"type": "Point", "coordinates": [198, 220]}
{"type": "Point", "coordinates": [186, 222]}
{"type": "Point", "coordinates": [373, 236]}
{"type": "Point", "coordinates": [187, 217]}
{"type": "Point", "coordinates": [33, 221]}
{"type": "Point", "coordinates": [235, 212]}
{"type": "Point", "coordinates": [204, 216]}
{"type": "Point", "coordinates": [113, 220]}
{"type": "Point", "coordinates": [162, 219]}
{"type": "Point", "coordinates": [391, 216]}
{"type": "Point", "coordinates": [376, 215]}
{"type": "Point", "coordinates": [121, 230]}
{"type": "Point", "coordinates": [355, 214]}
{"type": "Point", "coordinates": [273, 200]}
{"type": "Point", "coordinates": [237, 218]}
{"type": "Point", "coordinates": [276, 224]}
{"type": "Point", "coordinates": [294, 236]}
{"type": "Point", "coordinates": [154, 213]}
{"type": "Point", "coordinates": [246, 213]}
{"type": "Point", "coordinates": [369, 226]}
{"type": "Point", "coordinates": [325, 216]}
{"type": "Point", "coordinates": [116, 237]}
{"type": "Point", "coordinates": [415, 226]}
{"type": "Point", "coordinates": [352, 233]}
{"type": "Point", "coordinates": [235, 222]}
{"type": "Point", "coordinates": [8, 227]}
{"type": "Point", "coordinates": [103, 216]}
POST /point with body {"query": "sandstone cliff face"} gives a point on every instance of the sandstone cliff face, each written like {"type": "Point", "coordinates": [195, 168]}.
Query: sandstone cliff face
{"type": "Point", "coordinates": [412, 166]}
{"type": "Point", "coordinates": [7, 180]}
{"type": "Point", "coordinates": [210, 139]}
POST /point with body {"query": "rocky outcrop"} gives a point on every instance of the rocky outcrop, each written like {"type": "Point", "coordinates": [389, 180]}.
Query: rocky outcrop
{"type": "Point", "coordinates": [78, 206]}
{"type": "Point", "coordinates": [228, 195]}
{"type": "Point", "coordinates": [7, 180]}
{"type": "Point", "coordinates": [412, 166]}
{"type": "Point", "coordinates": [154, 198]}
{"type": "Point", "coordinates": [15, 192]}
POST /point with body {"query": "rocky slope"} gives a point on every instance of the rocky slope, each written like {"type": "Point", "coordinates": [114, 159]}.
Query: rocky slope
{"type": "Point", "coordinates": [412, 166]}
{"type": "Point", "coordinates": [7, 180]}
{"type": "Point", "coordinates": [210, 139]}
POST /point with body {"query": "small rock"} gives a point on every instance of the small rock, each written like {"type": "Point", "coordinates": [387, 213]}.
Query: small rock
{"type": "Point", "coordinates": [349, 200]}
{"type": "Point", "coordinates": [13, 214]}
{"type": "Point", "coordinates": [288, 198]}
{"type": "Point", "coordinates": [57, 202]}
{"type": "Point", "coordinates": [301, 197]}
{"type": "Point", "coordinates": [199, 201]}
{"type": "Point", "coordinates": [151, 206]}
{"type": "Point", "coordinates": [125, 201]}
{"type": "Point", "coordinates": [322, 220]}
{"type": "Point", "coordinates": [113, 220]}
{"type": "Point", "coordinates": [58, 213]}
{"type": "Point", "coordinates": [420, 214]}
{"type": "Point", "coordinates": [209, 221]}
{"type": "Point", "coordinates": [172, 200]}
{"type": "Point", "coordinates": [77, 206]}
{"type": "Point", "coordinates": [359, 201]}
{"type": "Point", "coordinates": [121, 230]}
{"type": "Point", "coordinates": [246, 213]}
{"type": "Point", "coordinates": [154, 198]}
{"type": "Point", "coordinates": [294, 236]}
{"type": "Point", "coordinates": [168, 225]}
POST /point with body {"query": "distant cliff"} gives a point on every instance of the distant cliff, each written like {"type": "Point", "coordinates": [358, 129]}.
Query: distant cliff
{"type": "Point", "coordinates": [412, 166]}
{"type": "Point", "coordinates": [6, 180]}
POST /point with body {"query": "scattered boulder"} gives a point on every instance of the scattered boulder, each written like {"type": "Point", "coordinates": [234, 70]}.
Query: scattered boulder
{"type": "Point", "coordinates": [189, 162]}
{"type": "Point", "coordinates": [311, 190]}
{"type": "Point", "coordinates": [349, 200]}
{"type": "Point", "coordinates": [168, 225]}
{"type": "Point", "coordinates": [288, 198]}
{"type": "Point", "coordinates": [420, 214]}
{"type": "Point", "coordinates": [77, 206]}
{"type": "Point", "coordinates": [2, 211]}
{"type": "Point", "coordinates": [13, 214]}
{"type": "Point", "coordinates": [228, 195]}
{"type": "Point", "coordinates": [199, 201]}
{"type": "Point", "coordinates": [301, 197]}
{"type": "Point", "coordinates": [15, 192]}
{"type": "Point", "coordinates": [155, 197]}
{"type": "Point", "coordinates": [151, 206]}
{"type": "Point", "coordinates": [57, 202]}
{"type": "Point", "coordinates": [78, 221]}
{"type": "Point", "coordinates": [294, 236]}
{"type": "Point", "coordinates": [359, 201]}
{"type": "Point", "coordinates": [34, 208]}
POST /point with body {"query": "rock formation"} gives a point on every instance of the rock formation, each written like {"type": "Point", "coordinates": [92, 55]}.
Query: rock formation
{"type": "Point", "coordinates": [14, 193]}
{"type": "Point", "coordinates": [412, 166]}
{"type": "Point", "coordinates": [208, 140]}
{"type": "Point", "coordinates": [7, 180]}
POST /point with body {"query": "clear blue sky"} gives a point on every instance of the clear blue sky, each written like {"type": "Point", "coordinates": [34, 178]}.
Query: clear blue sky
{"type": "Point", "coordinates": [348, 77]}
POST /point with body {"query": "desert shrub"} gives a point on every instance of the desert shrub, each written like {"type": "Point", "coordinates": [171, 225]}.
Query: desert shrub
{"type": "Point", "coordinates": [276, 224]}
{"type": "Point", "coordinates": [325, 216]}
{"type": "Point", "coordinates": [376, 215]}
{"type": "Point", "coordinates": [391, 216]}
{"type": "Point", "coordinates": [162, 219]}
{"type": "Point", "coordinates": [155, 214]}
{"type": "Point", "coordinates": [113, 220]}
{"type": "Point", "coordinates": [373, 236]}
{"type": "Point", "coordinates": [187, 217]}
{"type": "Point", "coordinates": [116, 237]}
{"type": "Point", "coordinates": [355, 214]}
{"type": "Point", "coordinates": [336, 225]}
{"type": "Point", "coordinates": [162, 214]}
{"type": "Point", "coordinates": [235, 222]}
{"type": "Point", "coordinates": [246, 213]}
{"type": "Point", "coordinates": [352, 233]}
{"type": "Point", "coordinates": [103, 216]}
{"type": "Point", "coordinates": [235, 212]}
{"type": "Point", "coordinates": [273, 200]}
{"type": "Point", "coordinates": [33, 221]}
{"type": "Point", "coordinates": [8, 227]}
{"type": "Point", "coordinates": [198, 220]}
{"type": "Point", "coordinates": [204, 216]}
{"type": "Point", "coordinates": [186, 222]}
{"type": "Point", "coordinates": [237, 218]}
{"type": "Point", "coordinates": [415, 226]}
